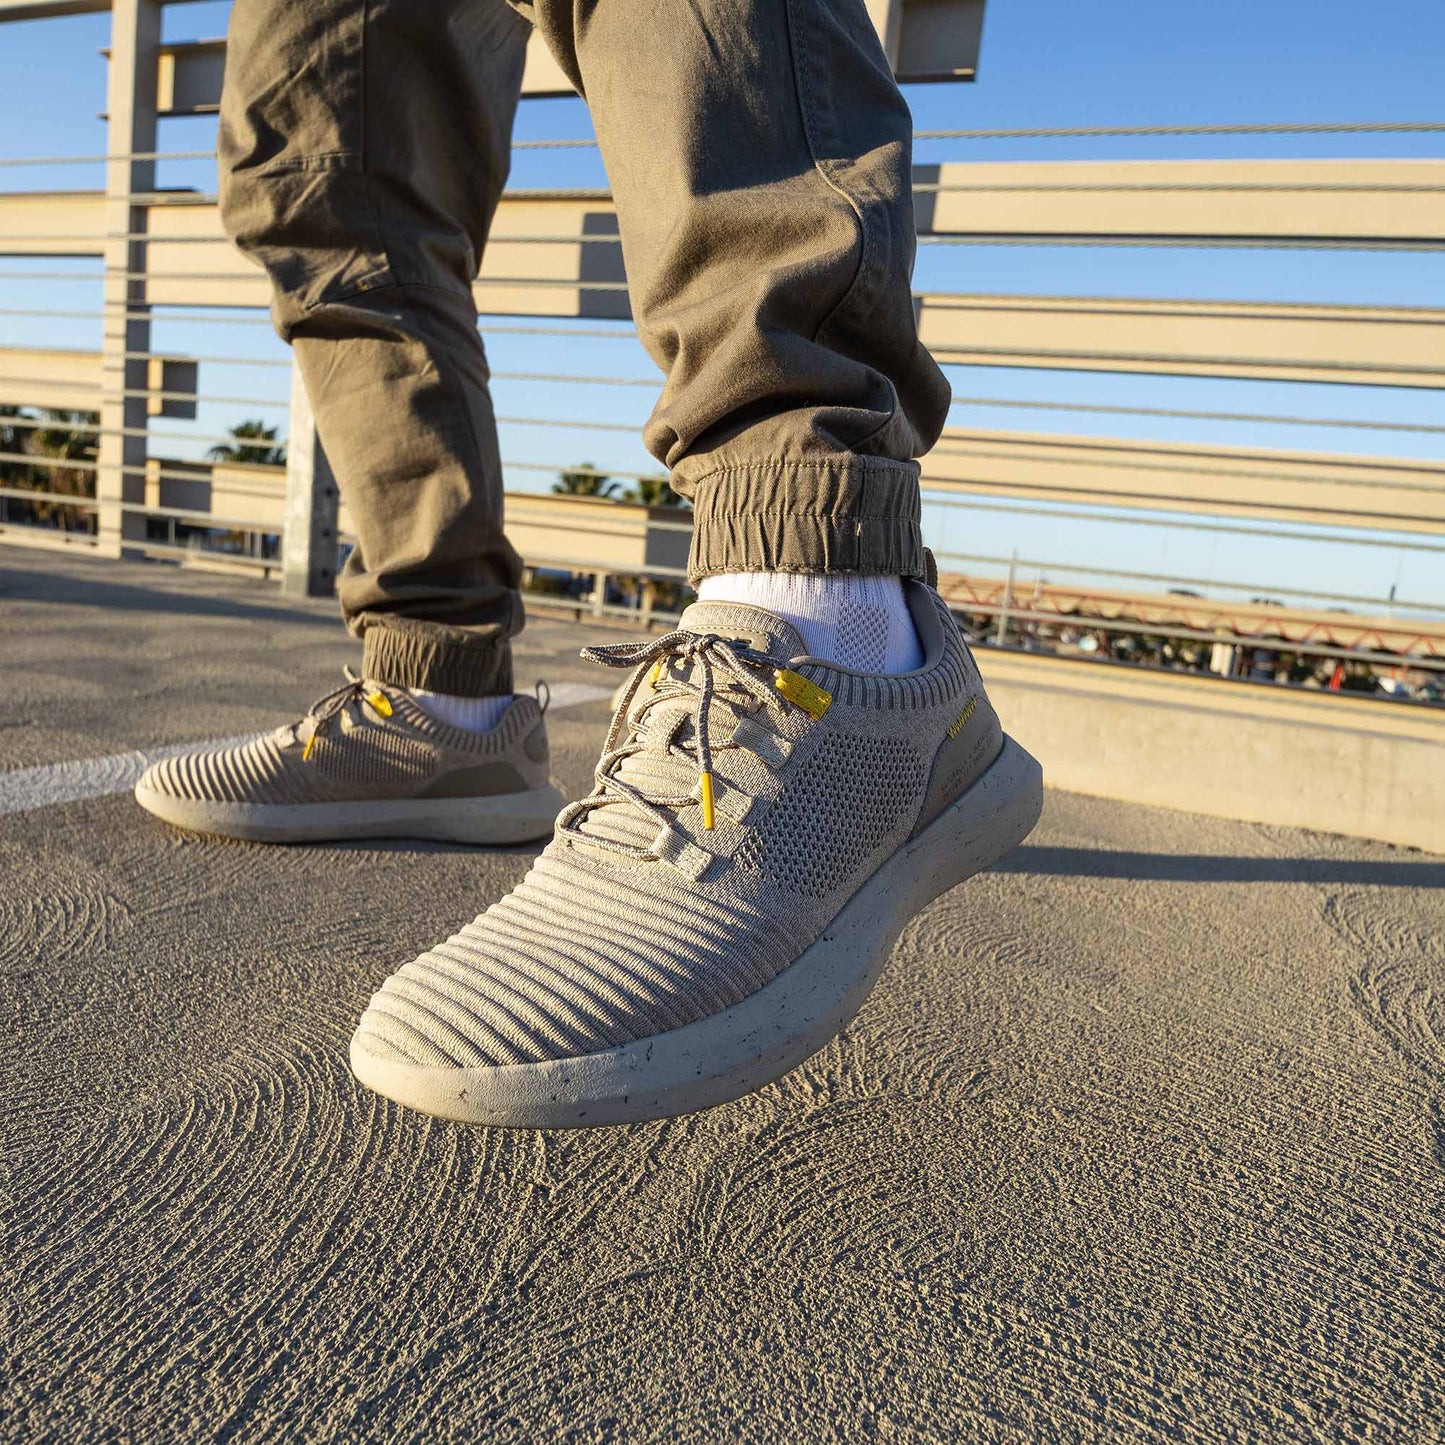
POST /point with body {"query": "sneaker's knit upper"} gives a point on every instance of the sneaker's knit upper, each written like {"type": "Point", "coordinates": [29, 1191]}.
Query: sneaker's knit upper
{"type": "Point", "coordinates": [637, 918]}
{"type": "Point", "coordinates": [364, 741]}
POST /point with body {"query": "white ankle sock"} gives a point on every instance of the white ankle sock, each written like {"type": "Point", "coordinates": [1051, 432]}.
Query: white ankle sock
{"type": "Point", "coordinates": [858, 622]}
{"type": "Point", "coordinates": [471, 714]}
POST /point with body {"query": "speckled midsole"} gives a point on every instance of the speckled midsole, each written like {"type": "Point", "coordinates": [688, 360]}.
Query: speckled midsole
{"type": "Point", "coordinates": [497, 818]}
{"type": "Point", "coordinates": [772, 1031]}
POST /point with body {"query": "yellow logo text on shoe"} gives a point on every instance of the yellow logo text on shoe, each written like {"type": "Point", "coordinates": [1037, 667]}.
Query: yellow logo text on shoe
{"type": "Point", "coordinates": [961, 721]}
{"type": "Point", "coordinates": [814, 700]}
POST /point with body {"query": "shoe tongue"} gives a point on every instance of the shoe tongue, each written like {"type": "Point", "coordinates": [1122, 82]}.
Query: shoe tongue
{"type": "Point", "coordinates": [753, 626]}
{"type": "Point", "coordinates": [658, 775]}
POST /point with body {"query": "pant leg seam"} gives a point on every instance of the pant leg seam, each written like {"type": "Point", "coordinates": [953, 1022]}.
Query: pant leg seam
{"type": "Point", "coordinates": [809, 117]}
{"type": "Point", "coordinates": [866, 239]}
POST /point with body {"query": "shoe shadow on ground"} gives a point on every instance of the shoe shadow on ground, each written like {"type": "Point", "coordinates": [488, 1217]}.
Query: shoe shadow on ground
{"type": "Point", "coordinates": [420, 845]}
{"type": "Point", "coordinates": [1213, 868]}
{"type": "Point", "coordinates": [1040, 861]}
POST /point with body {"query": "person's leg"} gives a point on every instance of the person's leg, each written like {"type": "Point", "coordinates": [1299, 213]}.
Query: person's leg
{"type": "Point", "coordinates": [764, 822]}
{"type": "Point", "coordinates": [363, 150]}
{"type": "Point", "coordinates": [759, 155]}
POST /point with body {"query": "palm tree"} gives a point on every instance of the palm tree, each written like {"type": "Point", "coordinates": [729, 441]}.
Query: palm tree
{"type": "Point", "coordinates": [585, 481]}
{"type": "Point", "coordinates": [254, 442]}
{"type": "Point", "coordinates": [655, 492]}
{"type": "Point", "coordinates": [65, 436]}
{"type": "Point", "coordinates": [12, 443]}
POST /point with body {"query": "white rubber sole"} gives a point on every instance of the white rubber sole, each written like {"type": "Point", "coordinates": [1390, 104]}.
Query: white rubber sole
{"type": "Point", "coordinates": [732, 1053]}
{"type": "Point", "coordinates": [503, 818]}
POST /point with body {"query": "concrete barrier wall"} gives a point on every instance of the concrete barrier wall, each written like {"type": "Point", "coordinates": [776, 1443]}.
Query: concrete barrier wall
{"type": "Point", "coordinates": [1342, 764]}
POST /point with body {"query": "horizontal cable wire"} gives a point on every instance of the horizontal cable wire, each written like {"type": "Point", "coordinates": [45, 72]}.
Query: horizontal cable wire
{"type": "Point", "coordinates": [1186, 243]}
{"type": "Point", "coordinates": [140, 393]}
{"type": "Point", "coordinates": [204, 519]}
{"type": "Point", "coordinates": [569, 379]}
{"type": "Point", "coordinates": [239, 559]}
{"type": "Point", "coordinates": [1017, 239]}
{"type": "Point", "coordinates": [54, 464]}
{"type": "Point", "coordinates": [1265, 642]}
{"type": "Point", "coordinates": [1122, 516]}
{"type": "Point", "coordinates": [1095, 408]}
{"type": "Point", "coordinates": [1272, 420]}
{"type": "Point", "coordinates": [1339, 127]}
{"type": "Point", "coordinates": [953, 300]}
{"type": "Point", "coordinates": [1073, 567]}
{"type": "Point", "coordinates": [17, 423]}
{"type": "Point", "coordinates": [1186, 470]}
{"type": "Point", "coordinates": [21, 423]}
{"type": "Point", "coordinates": [935, 483]}
{"type": "Point", "coordinates": [272, 361]}
{"type": "Point", "coordinates": [1404, 127]}
{"type": "Point", "coordinates": [20, 494]}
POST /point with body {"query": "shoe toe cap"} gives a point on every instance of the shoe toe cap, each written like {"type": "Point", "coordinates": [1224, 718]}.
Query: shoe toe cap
{"type": "Point", "coordinates": [160, 778]}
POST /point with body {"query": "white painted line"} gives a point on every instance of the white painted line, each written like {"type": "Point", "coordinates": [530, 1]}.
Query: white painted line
{"type": "Point", "coordinates": [25, 788]}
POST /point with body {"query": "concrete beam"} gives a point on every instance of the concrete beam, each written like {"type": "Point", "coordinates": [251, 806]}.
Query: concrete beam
{"type": "Point", "coordinates": [1364, 767]}
{"type": "Point", "coordinates": [1357, 345]}
{"type": "Point", "coordinates": [49, 9]}
{"type": "Point", "coordinates": [1345, 202]}
{"type": "Point", "coordinates": [74, 381]}
{"type": "Point", "coordinates": [924, 39]}
{"type": "Point", "coordinates": [1341, 202]}
{"type": "Point", "coordinates": [52, 223]}
{"type": "Point", "coordinates": [1252, 482]}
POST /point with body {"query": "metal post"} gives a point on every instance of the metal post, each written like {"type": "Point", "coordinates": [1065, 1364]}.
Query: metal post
{"type": "Point", "coordinates": [135, 39]}
{"type": "Point", "coordinates": [1001, 636]}
{"type": "Point", "coordinates": [599, 593]}
{"type": "Point", "coordinates": [308, 541]}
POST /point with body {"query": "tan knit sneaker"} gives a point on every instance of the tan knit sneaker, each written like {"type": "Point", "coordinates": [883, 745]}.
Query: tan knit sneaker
{"type": "Point", "coordinates": [366, 762]}
{"type": "Point", "coordinates": [762, 827]}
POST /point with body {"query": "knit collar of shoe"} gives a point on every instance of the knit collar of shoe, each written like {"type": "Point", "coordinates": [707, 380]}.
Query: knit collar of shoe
{"type": "Point", "coordinates": [350, 695]}
{"type": "Point", "coordinates": [707, 671]}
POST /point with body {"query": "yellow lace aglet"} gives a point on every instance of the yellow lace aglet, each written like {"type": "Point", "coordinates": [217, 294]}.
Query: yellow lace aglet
{"type": "Point", "coordinates": [707, 803]}
{"type": "Point", "coordinates": [814, 700]}
{"type": "Point", "coordinates": [380, 702]}
{"type": "Point", "coordinates": [655, 673]}
{"type": "Point", "coordinates": [306, 751]}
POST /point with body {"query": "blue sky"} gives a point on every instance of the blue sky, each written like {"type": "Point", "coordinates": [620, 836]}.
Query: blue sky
{"type": "Point", "coordinates": [1045, 63]}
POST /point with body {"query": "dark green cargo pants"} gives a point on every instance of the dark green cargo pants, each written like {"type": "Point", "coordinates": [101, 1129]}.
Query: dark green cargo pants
{"type": "Point", "coordinates": [759, 157]}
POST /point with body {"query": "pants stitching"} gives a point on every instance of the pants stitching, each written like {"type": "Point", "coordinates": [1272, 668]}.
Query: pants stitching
{"type": "Point", "coordinates": [810, 118]}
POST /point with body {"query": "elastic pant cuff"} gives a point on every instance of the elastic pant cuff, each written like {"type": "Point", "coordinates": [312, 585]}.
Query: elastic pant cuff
{"type": "Point", "coordinates": [855, 514]}
{"type": "Point", "coordinates": [436, 659]}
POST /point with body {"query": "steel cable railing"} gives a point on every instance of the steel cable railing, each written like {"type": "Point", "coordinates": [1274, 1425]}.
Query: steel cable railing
{"type": "Point", "coordinates": [1123, 508]}
{"type": "Point", "coordinates": [1405, 127]}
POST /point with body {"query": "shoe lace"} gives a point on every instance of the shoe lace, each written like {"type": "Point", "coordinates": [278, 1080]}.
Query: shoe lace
{"type": "Point", "coordinates": [714, 670]}
{"type": "Point", "coordinates": [350, 694]}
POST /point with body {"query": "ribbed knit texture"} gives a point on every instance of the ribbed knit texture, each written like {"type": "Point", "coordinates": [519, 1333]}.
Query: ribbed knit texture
{"type": "Point", "coordinates": [595, 949]}
{"type": "Point", "coordinates": [854, 621]}
{"type": "Point", "coordinates": [357, 755]}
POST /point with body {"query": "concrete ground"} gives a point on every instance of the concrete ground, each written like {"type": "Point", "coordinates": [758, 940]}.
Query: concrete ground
{"type": "Point", "coordinates": [1141, 1136]}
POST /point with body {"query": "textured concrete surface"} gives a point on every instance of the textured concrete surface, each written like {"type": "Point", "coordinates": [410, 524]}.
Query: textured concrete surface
{"type": "Point", "coordinates": [1141, 1137]}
